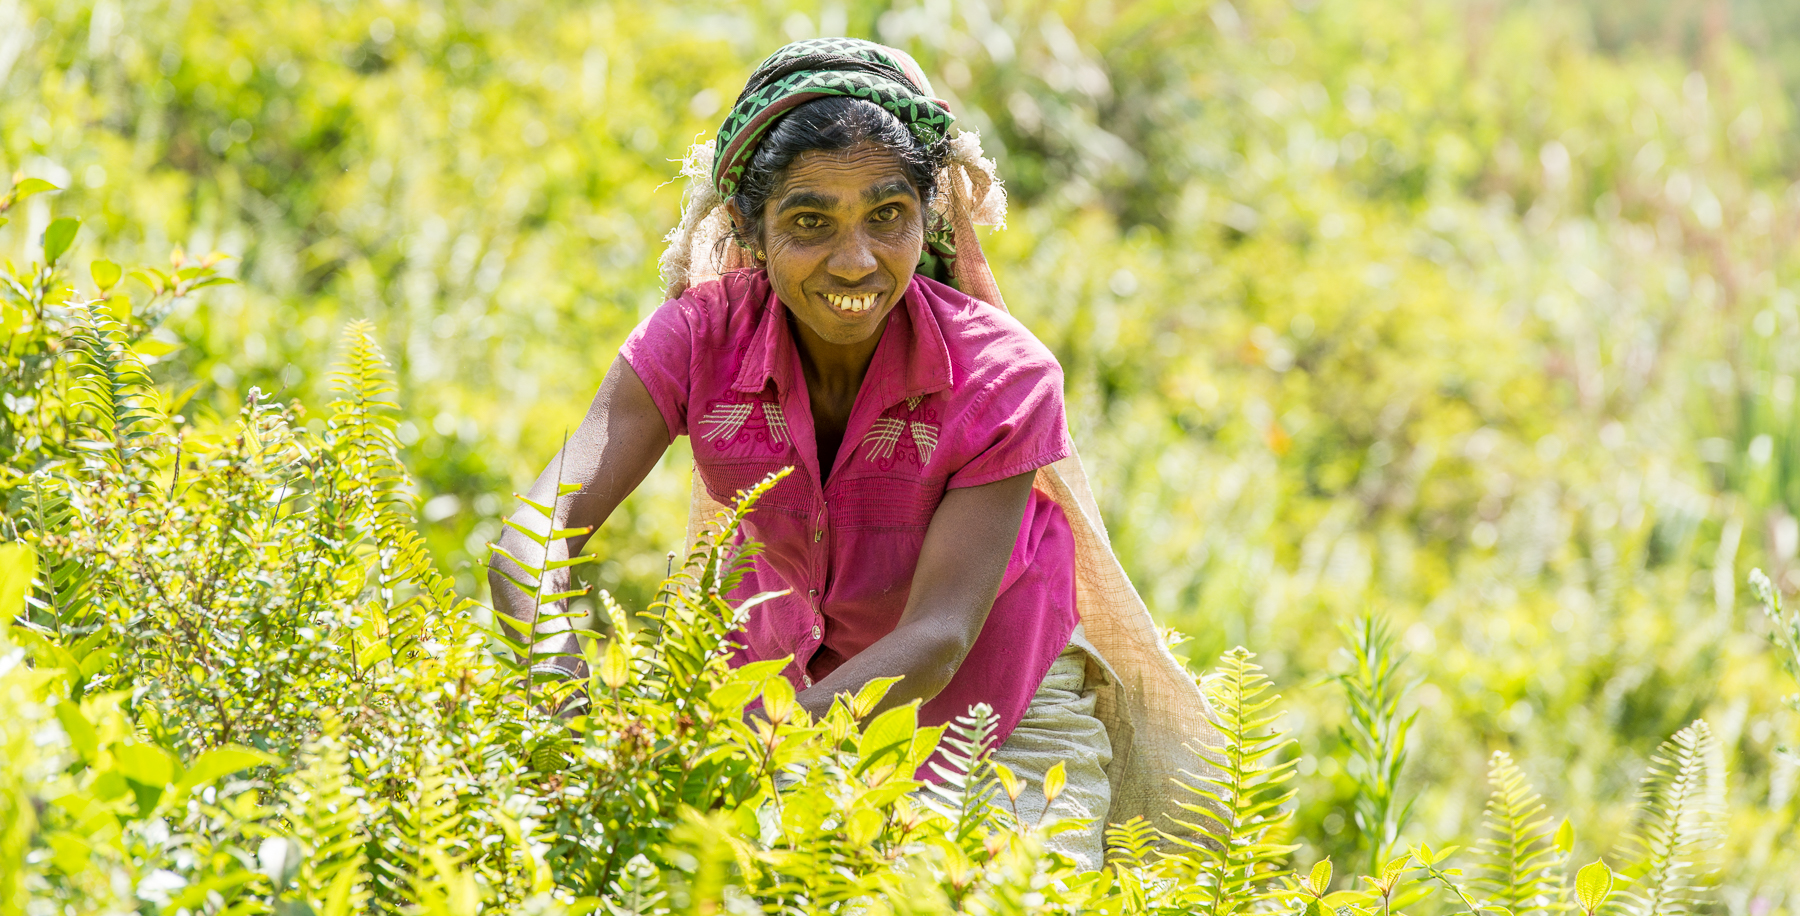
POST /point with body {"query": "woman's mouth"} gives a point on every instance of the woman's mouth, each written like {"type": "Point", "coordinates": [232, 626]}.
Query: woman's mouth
{"type": "Point", "coordinates": [851, 303]}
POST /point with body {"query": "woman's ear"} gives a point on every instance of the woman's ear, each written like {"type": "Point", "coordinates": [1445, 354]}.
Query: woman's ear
{"type": "Point", "coordinates": [741, 230]}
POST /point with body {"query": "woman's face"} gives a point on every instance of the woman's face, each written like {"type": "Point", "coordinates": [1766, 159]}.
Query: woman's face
{"type": "Point", "coordinates": [842, 232]}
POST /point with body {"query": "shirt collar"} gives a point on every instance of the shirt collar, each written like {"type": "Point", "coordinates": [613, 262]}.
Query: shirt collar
{"type": "Point", "coordinates": [771, 354]}
{"type": "Point", "coordinates": [912, 359]}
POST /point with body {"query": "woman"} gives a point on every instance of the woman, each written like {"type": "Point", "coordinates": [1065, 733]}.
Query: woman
{"type": "Point", "coordinates": [910, 536]}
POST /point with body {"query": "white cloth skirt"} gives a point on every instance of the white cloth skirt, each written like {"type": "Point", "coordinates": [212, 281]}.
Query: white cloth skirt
{"type": "Point", "coordinates": [1060, 726]}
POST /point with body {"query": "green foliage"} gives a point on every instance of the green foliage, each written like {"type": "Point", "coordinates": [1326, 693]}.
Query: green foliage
{"type": "Point", "coordinates": [1374, 690]}
{"type": "Point", "coordinates": [1670, 849]}
{"type": "Point", "coordinates": [1243, 796]}
{"type": "Point", "coordinates": [1481, 314]}
{"type": "Point", "coordinates": [1521, 871]}
{"type": "Point", "coordinates": [1593, 884]}
{"type": "Point", "coordinates": [1784, 637]}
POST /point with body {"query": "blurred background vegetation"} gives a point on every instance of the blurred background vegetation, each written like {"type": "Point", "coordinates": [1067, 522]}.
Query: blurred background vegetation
{"type": "Point", "coordinates": [1478, 315]}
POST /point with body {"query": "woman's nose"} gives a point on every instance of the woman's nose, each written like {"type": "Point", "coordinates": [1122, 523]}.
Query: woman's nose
{"type": "Point", "coordinates": [853, 259]}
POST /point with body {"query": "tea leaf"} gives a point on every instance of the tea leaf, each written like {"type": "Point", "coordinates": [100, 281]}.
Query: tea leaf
{"type": "Point", "coordinates": [1593, 884]}
{"type": "Point", "coordinates": [58, 236]}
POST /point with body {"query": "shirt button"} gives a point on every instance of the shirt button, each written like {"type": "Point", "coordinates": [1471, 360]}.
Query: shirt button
{"type": "Point", "coordinates": [815, 631]}
{"type": "Point", "coordinates": [806, 679]}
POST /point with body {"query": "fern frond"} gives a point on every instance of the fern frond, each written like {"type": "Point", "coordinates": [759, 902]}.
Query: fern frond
{"type": "Point", "coordinates": [407, 621]}
{"type": "Point", "coordinates": [319, 805]}
{"type": "Point", "coordinates": [364, 419]}
{"type": "Point", "coordinates": [1131, 844]}
{"type": "Point", "coordinates": [1518, 861]}
{"type": "Point", "coordinates": [421, 838]}
{"type": "Point", "coordinates": [1374, 688]}
{"type": "Point", "coordinates": [63, 605]}
{"type": "Point", "coordinates": [692, 618]}
{"type": "Point", "coordinates": [965, 792]}
{"type": "Point", "coordinates": [112, 382]}
{"type": "Point", "coordinates": [1670, 850]}
{"type": "Point", "coordinates": [1243, 797]}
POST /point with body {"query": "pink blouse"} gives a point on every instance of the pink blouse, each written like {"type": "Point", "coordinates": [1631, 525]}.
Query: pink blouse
{"type": "Point", "coordinates": [959, 394]}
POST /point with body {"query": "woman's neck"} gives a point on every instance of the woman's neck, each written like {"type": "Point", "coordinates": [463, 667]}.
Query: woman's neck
{"type": "Point", "coordinates": [833, 370]}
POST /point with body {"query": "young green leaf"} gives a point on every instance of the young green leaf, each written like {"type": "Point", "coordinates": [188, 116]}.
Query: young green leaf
{"type": "Point", "coordinates": [778, 700]}
{"type": "Point", "coordinates": [223, 761]}
{"type": "Point", "coordinates": [32, 186]}
{"type": "Point", "coordinates": [1593, 884]}
{"type": "Point", "coordinates": [1009, 781]}
{"type": "Point", "coordinates": [1395, 867]}
{"type": "Point", "coordinates": [863, 826]}
{"type": "Point", "coordinates": [1565, 837]}
{"type": "Point", "coordinates": [80, 731]}
{"type": "Point", "coordinates": [1054, 780]}
{"type": "Point", "coordinates": [144, 763]}
{"type": "Point", "coordinates": [106, 274]}
{"type": "Point", "coordinates": [1320, 878]}
{"type": "Point", "coordinates": [58, 236]}
{"type": "Point", "coordinates": [18, 564]}
{"type": "Point", "coordinates": [892, 730]}
{"type": "Point", "coordinates": [615, 665]}
{"type": "Point", "coordinates": [871, 693]}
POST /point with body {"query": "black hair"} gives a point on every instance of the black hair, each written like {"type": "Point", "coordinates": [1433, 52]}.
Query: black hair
{"type": "Point", "coordinates": [832, 123]}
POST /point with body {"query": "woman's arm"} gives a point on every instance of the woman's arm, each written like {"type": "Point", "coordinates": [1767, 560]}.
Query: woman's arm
{"type": "Point", "coordinates": [960, 567]}
{"type": "Point", "coordinates": [609, 454]}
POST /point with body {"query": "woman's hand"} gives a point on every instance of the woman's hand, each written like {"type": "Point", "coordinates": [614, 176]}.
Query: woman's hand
{"type": "Point", "coordinates": [607, 456]}
{"type": "Point", "coordinates": [971, 537]}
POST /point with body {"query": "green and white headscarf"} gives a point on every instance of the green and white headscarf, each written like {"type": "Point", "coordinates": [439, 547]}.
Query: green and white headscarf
{"type": "Point", "coordinates": [817, 68]}
{"type": "Point", "coordinates": [850, 67]}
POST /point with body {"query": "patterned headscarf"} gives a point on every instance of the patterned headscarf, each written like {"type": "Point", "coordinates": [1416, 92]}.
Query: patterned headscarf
{"type": "Point", "coordinates": [849, 67]}
{"type": "Point", "coordinates": [969, 193]}
{"type": "Point", "coordinates": [819, 67]}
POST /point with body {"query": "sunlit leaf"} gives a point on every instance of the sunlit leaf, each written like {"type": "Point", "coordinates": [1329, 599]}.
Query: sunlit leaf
{"type": "Point", "coordinates": [1593, 884]}
{"type": "Point", "coordinates": [1054, 781]}
{"type": "Point", "coordinates": [58, 236]}
{"type": "Point", "coordinates": [1320, 877]}
{"type": "Point", "coordinates": [106, 274]}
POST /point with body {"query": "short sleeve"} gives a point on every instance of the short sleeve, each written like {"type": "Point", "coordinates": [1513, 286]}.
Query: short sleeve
{"type": "Point", "coordinates": [660, 350]}
{"type": "Point", "coordinates": [1018, 427]}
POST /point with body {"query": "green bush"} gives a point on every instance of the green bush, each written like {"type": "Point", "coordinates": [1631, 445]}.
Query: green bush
{"type": "Point", "coordinates": [237, 683]}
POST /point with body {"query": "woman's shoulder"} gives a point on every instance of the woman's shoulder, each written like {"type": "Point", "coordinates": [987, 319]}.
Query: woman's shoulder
{"type": "Point", "coordinates": [982, 336]}
{"type": "Point", "coordinates": [720, 310]}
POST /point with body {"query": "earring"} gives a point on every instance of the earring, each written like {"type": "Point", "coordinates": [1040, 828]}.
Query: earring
{"type": "Point", "coordinates": [761, 256]}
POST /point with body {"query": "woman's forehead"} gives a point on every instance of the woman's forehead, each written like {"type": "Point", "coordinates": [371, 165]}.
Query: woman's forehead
{"type": "Point", "coordinates": [865, 173]}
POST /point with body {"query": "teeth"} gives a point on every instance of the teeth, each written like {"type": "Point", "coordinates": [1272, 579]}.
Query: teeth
{"type": "Point", "coordinates": [852, 303]}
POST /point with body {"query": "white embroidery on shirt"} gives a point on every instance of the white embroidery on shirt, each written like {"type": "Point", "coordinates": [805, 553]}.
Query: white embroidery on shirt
{"type": "Point", "coordinates": [912, 403]}
{"type": "Point", "coordinates": [925, 436]}
{"type": "Point", "coordinates": [882, 436]}
{"type": "Point", "coordinates": [778, 428]}
{"type": "Point", "coordinates": [725, 420]}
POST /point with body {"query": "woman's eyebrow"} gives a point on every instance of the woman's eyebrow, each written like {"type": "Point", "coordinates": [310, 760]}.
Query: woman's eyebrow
{"type": "Point", "coordinates": [885, 191]}
{"type": "Point", "coordinates": [808, 200]}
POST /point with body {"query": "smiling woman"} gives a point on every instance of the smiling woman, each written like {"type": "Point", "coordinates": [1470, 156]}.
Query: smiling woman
{"type": "Point", "coordinates": [936, 525]}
